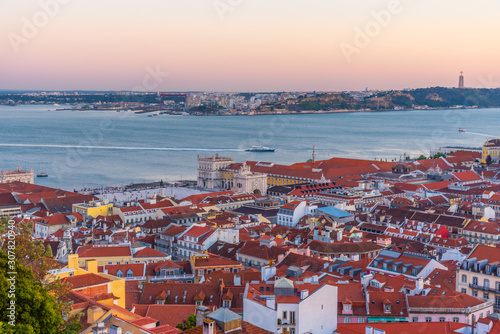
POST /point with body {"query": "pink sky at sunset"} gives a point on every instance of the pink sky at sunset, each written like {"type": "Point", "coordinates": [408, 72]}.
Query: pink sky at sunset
{"type": "Point", "coordinates": [253, 45]}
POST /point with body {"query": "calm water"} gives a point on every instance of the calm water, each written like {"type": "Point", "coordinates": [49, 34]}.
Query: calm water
{"type": "Point", "coordinates": [137, 148]}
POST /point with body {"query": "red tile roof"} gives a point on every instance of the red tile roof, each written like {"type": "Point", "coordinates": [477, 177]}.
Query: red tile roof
{"type": "Point", "coordinates": [246, 328]}
{"type": "Point", "coordinates": [85, 280]}
{"type": "Point", "coordinates": [397, 300]}
{"type": "Point", "coordinates": [149, 252]}
{"type": "Point", "coordinates": [465, 176]}
{"type": "Point", "coordinates": [451, 300]}
{"type": "Point", "coordinates": [138, 269]}
{"type": "Point", "coordinates": [210, 260]}
{"type": "Point", "coordinates": [403, 327]}
{"type": "Point", "coordinates": [96, 252]}
{"type": "Point", "coordinates": [196, 199]}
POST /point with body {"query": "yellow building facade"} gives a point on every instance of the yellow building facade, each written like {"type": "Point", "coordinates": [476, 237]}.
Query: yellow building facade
{"type": "Point", "coordinates": [491, 148]}
{"type": "Point", "coordinates": [272, 180]}
{"type": "Point", "coordinates": [116, 284]}
{"type": "Point", "coordinates": [93, 209]}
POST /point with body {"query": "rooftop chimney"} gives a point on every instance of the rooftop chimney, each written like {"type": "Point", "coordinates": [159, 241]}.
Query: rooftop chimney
{"type": "Point", "coordinates": [208, 326]}
{"type": "Point", "coordinates": [369, 330]}
{"type": "Point", "coordinates": [201, 312]}
{"type": "Point", "coordinates": [113, 329]}
{"type": "Point", "coordinates": [270, 302]}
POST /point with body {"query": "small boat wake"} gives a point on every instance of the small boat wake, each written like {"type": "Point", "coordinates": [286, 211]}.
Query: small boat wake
{"type": "Point", "coordinates": [482, 134]}
{"type": "Point", "coordinates": [129, 148]}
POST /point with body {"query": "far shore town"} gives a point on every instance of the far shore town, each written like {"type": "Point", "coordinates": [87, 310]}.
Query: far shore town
{"type": "Point", "coordinates": [343, 245]}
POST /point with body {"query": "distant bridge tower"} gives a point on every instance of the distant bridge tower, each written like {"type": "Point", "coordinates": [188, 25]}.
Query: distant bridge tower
{"type": "Point", "coordinates": [461, 80]}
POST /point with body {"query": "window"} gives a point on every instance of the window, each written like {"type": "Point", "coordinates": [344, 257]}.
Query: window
{"type": "Point", "coordinates": [200, 272]}
{"type": "Point", "coordinates": [464, 278]}
{"type": "Point", "coordinates": [361, 320]}
{"type": "Point", "coordinates": [455, 319]}
{"type": "Point", "coordinates": [497, 301]}
{"type": "Point", "coordinates": [119, 273]}
{"type": "Point", "coordinates": [428, 319]}
{"type": "Point", "coordinates": [292, 317]}
{"type": "Point", "coordinates": [284, 315]}
{"type": "Point", "coordinates": [347, 320]}
{"type": "Point", "coordinates": [292, 330]}
{"type": "Point", "coordinates": [474, 280]}
{"type": "Point", "coordinates": [474, 293]}
{"type": "Point", "coordinates": [130, 273]}
{"type": "Point", "coordinates": [464, 290]}
{"type": "Point", "coordinates": [441, 319]}
{"type": "Point", "coordinates": [414, 319]}
{"type": "Point", "coordinates": [347, 307]}
{"type": "Point", "coordinates": [486, 295]}
{"type": "Point", "coordinates": [387, 308]}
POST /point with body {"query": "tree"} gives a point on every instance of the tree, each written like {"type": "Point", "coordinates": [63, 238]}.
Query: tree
{"type": "Point", "coordinates": [36, 310]}
{"type": "Point", "coordinates": [422, 157]}
{"type": "Point", "coordinates": [438, 155]}
{"type": "Point", "coordinates": [3, 224]}
{"type": "Point", "coordinates": [33, 255]}
{"type": "Point", "coordinates": [489, 160]}
{"type": "Point", "coordinates": [189, 323]}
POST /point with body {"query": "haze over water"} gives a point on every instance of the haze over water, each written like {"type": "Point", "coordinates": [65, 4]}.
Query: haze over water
{"type": "Point", "coordinates": [107, 148]}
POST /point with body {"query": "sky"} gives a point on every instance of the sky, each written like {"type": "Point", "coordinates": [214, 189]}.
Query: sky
{"type": "Point", "coordinates": [248, 45]}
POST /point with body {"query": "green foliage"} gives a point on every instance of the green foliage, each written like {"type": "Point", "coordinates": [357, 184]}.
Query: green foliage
{"type": "Point", "coordinates": [402, 100]}
{"type": "Point", "coordinates": [4, 224]}
{"type": "Point", "coordinates": [434, 97]}
{"type": "Point", "coordinates": [74, 327]}
{"type": "Point", "coordinates": [189, 323]}
{"type": "Point", "coordinates": [422, 157]}
{"type": "Point", "coordinates": [35, 257]}
{"type": "Point", "coordinates": [438, 155]}
{"type": "Point", "coordinates": [36, 309]}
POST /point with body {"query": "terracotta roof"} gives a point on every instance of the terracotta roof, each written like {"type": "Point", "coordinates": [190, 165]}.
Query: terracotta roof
{"type": "Point", "coordinates": [181, 293]}
{"type": "Point", "coordinates": [166, 314]}
{"type": "Point", "coordinates": [85, 280]}
{"type": "Point", "coordinates": [465, 176]}
{"type": "Point", "coordinates": [483, 227]}
{"type": "Point", "coordinates": [196, 199]}
{"type": "Point", "coordinates": [174, 230]}
{"type": "Point", "coordinates": [403, 327]}
{"type": "Point", "coordinates": [262, 252]}
{"type": "Point", "coordinates": [157, 223]}
{"type": "Point", "coordinates": [197, 231]}
{"type": "Point", "coordinates": [246, 328]}
{"type": "Point", "coordinates": [482, 252]}
{"type": "Point", "coordinates": [112, 269]}
{"type": "Point", "coordinates": [343, 248]}
{"type": "Point", "coordinates": [451, 300]}
{"type": "Point", "coordinates": [111, 251]}
{"type": "Point", "coordinates": [211, 260]}
{"type": "Point", "coordinates": [149, 252]}
{"type": "Point", "coordinates": [397, 300]}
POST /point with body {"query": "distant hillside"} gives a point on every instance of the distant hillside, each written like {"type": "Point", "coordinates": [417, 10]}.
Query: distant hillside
{"type": "Point", "coordinates": [435, 97]}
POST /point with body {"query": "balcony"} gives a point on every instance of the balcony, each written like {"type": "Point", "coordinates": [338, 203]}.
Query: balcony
{"type": "Point", "coordinates": [484, 288]}
{"type": "Point", "coordinates": [160, 278]}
